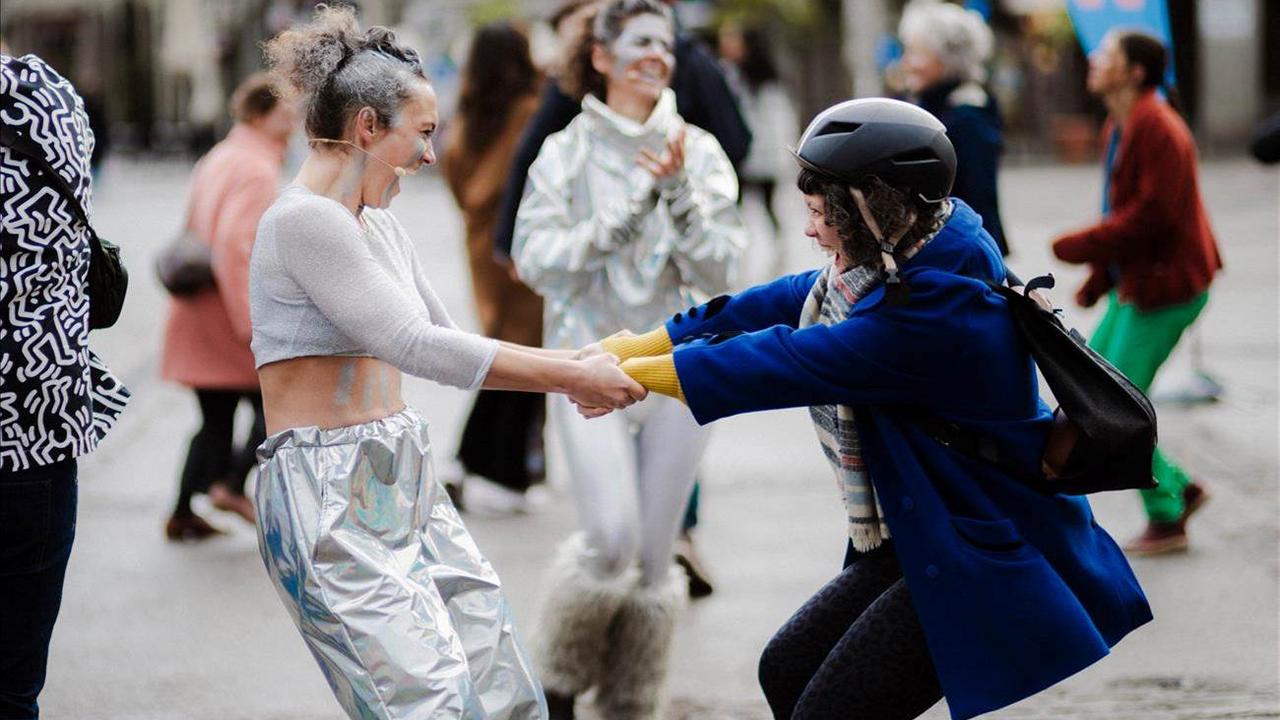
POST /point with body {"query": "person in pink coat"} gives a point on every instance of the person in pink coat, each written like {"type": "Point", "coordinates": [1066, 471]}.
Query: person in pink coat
{"type": "Point", "coordinates": [207, 336]}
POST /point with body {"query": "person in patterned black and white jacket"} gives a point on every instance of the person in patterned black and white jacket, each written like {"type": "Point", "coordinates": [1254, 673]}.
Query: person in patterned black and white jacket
{"type": "Point", "coordinates": [57, 399]}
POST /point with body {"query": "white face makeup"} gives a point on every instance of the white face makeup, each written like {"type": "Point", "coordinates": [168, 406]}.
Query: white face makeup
{"type": "Point", "coordinates": [643, 54]}
{"type": "Point", "coordinates": [406, 145]}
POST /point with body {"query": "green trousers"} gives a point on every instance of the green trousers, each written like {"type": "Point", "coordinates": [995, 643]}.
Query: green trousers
{"type": "Point", "coordinates": [1138, 342]}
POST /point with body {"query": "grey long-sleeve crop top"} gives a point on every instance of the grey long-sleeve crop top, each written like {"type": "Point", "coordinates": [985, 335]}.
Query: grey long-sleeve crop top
{"type": "Point", "coordinates": [323, 283]}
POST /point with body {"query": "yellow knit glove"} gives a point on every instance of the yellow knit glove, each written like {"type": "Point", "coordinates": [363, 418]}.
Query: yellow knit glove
{"type": "Point", "coordinates": [657, 374]}
{"type": "Point", "coordinates": [654, 342]}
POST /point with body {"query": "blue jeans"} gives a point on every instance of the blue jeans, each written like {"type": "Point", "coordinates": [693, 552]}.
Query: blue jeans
{"type": "Point", "coordinates": [37, 526]}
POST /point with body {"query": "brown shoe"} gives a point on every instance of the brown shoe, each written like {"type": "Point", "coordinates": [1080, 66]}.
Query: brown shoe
{"type": "Point", "coordinates": [181, 528]}
{"type": "Point", "coordinates": [1159, 538]}
{"type": "Point", "coordinates": [1167, 537]}
{"type": "Point", "coordinates": [222, 497]}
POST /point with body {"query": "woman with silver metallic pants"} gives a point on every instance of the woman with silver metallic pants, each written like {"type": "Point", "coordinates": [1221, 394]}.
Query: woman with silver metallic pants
{"type": "Point", "coordinates": [392, 596]}
{"type": "Point", "coordinates": [629, 216]}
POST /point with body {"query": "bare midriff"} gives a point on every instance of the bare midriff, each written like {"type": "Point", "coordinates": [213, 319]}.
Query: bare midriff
{"type": "Point", "coordinates": [328, 392]}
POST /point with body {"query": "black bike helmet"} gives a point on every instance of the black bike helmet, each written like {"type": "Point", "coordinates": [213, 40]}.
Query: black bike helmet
{"type": "Point", "coordinates": [897, 142]}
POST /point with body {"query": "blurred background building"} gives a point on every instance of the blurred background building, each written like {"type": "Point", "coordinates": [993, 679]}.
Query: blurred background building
{"type": "Point", "coordinates": [158, 72]}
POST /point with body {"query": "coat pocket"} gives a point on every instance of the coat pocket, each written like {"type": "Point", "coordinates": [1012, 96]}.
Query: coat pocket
{"type": "Point", "coordinates": [994, 536]}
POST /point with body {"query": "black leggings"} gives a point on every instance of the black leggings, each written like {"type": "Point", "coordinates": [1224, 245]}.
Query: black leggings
{"type": "Point", "coordinates": [854, 651]}
{"type": "Point", "coordinates": [212, 457]}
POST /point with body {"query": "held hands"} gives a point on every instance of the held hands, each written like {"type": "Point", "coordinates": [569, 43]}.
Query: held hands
{"type": "Point", "coordinates": [597, 348]}
{"type": "Point", "coordinates": [667, 168]}
{"type": "Point", "coordinates": [602, 387]}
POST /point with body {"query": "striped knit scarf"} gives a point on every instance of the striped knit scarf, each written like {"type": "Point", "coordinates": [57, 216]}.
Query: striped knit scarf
{"type": "Point", "coordinates": [830, 301]}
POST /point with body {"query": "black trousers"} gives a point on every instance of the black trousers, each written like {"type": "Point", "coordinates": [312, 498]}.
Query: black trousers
{"type": "Point", "coordinates": [212, 456]}
{"type": "Point", "coordinates": [854, 651]}
{"type": "Point", "coordinates": [37, 527]}
{"type": "Point", "coordinates": [501, 431]}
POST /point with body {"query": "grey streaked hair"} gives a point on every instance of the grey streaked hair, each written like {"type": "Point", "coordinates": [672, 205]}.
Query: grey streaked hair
{"type": "Point", "coordinates": [960, 38]}
{"type": "Point", "coordinates": [336, 70]}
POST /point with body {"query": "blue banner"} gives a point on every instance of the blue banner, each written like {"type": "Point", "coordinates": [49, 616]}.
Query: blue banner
{"type": "Point", "coordinates": [1093, 19]}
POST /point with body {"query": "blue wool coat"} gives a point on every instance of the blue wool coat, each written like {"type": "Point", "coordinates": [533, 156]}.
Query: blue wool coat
{"type": "Point", "coordinates": [1016, 590]}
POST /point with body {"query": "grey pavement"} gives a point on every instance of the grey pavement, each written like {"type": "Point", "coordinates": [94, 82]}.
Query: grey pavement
{"type": "Point", "coordinates": [152, 630]}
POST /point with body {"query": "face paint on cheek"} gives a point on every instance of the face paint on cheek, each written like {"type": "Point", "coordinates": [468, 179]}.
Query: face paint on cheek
{"type": "Point", "coordinates": [638, 40]}
{"type": "Point", "coordinates": [419, 149]}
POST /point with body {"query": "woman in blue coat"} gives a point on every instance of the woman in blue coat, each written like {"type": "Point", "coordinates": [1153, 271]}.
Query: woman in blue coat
{"type": "Point", "coordinates": [961, 580]}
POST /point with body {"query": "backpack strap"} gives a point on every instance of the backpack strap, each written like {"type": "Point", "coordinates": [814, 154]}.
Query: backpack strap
{"type": "Point", "coordinates": [968, 442]}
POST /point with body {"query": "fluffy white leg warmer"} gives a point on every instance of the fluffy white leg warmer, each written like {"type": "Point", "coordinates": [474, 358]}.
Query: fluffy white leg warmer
{"type": "Point", "coordinates": [633, 680]}
{"type": "Point", "coordinates": [572, 633]}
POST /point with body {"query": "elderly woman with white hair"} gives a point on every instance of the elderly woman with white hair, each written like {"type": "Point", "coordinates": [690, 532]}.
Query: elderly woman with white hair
{"type": "Point", "coordinates": [945, 49]}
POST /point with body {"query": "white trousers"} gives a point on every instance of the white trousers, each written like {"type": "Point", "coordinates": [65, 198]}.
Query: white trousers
{"type": "Point", "coordinates": [632, 471]}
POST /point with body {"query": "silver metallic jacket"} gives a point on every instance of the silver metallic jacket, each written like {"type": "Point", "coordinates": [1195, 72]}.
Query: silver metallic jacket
{"type": "Point", "coordinates": [610, 248]}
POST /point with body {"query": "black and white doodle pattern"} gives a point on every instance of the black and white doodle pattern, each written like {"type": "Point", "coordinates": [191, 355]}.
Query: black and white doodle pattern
{"type": "Point", "coordinates": [57, 399]}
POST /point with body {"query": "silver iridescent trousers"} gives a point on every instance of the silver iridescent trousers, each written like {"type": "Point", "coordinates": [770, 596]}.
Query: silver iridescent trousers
{"type": "Point", "coordinates": [394, 600]}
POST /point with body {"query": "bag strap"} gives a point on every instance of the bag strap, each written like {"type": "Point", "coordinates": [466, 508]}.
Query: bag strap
{"type": "Point", "coordinates": [12, 139]}
{"type": "Point", "coordinates": [975, 445]}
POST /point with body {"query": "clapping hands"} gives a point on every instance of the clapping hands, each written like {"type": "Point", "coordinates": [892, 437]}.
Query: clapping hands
{"type": "Point", "coordinates": [667, 168]}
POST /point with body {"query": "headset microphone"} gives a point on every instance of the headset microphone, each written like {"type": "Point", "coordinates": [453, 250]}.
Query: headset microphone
{"type": "Point", "coordinates": [399, 171]}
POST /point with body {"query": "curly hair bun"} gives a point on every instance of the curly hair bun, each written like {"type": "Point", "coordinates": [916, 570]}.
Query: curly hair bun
{"type": "Point", "coordinates": [304, 57]}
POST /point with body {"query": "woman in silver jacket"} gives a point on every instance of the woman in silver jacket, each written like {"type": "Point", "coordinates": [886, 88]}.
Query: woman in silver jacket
{"type": "Point", "coordinates": [629, 216]}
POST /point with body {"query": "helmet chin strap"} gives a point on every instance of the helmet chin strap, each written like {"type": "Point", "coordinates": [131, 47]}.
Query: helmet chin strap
{"type": "Point", "coordinates": [399, 171]}
{"type": "Point", "coordinates": [887, 248]}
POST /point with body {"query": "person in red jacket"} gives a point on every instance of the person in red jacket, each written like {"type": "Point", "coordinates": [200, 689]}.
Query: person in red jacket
{"type": "Point", "coordinates": [1153, 254]}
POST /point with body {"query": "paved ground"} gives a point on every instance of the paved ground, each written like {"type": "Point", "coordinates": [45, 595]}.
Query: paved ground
{"type": "Point", "coordinates": [156, 631]}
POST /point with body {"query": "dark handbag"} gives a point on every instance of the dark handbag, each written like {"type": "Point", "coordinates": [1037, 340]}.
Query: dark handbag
{"type": "Point", "coordinates": [185, 266]}
{"type": "Point", "coordinates": [108, 278]}
{"type": "Point", "coordinates": [1104, 429]}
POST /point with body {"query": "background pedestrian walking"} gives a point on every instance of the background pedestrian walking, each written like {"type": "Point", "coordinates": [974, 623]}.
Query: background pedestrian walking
{"type": "Point", "coordinates": [206, 345]}
{"type": "Point", "coordinates": [1153, 254]}
{"type": "Point", "coordinates": [771, 118]}
{"type": "Point", "coordinates": [945, 51]}
{"type": "Point", "coordinates": [501, 445]}
{"type": "Point", "coordinates": [57, 399]}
